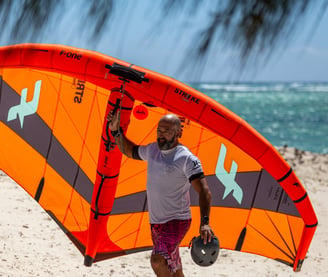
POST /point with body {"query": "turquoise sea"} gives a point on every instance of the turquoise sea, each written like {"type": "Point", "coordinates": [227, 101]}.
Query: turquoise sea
{"type": "Point", "coordinates": [293, 114]}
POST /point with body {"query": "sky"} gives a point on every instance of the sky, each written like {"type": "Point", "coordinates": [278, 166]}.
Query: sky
{"type": "Point", "coordinates": [135, 35]}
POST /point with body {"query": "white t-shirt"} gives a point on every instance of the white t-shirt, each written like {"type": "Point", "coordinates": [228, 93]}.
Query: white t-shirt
{"type": "Point", "coordinates": [168, 181]}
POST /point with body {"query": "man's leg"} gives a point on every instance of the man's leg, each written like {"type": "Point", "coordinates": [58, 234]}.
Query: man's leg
{"type": "Point", "coordinates": [166, 239]}
{"type": "Point", "coordinates": [161, 269]}
{"type": "Point", "coordinates": [159, 265]}
{"type": "Point", "coordinates": [178, 273]}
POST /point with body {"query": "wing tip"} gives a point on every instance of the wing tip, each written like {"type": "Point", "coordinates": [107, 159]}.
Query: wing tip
{"type": "Point", "coordinates": [88, 260]}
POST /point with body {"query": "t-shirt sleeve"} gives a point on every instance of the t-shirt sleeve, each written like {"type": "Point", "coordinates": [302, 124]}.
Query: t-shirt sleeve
{"type": "Point", "coordinates": [143, 151]}
{"type": "Point", "coordinates": [193, 169]}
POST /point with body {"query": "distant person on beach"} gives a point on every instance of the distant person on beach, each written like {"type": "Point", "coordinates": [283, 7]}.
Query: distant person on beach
{"type": "Point", "coordinates": [172, 169]}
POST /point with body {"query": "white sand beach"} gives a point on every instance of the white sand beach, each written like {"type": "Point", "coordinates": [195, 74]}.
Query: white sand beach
{"type": "Point", "coordinates": [31, 243]}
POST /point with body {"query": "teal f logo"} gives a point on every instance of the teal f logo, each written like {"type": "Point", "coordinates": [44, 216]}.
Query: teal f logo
{"type": "Point", "coordinates": [25, 108]}
{"type": "Point", "coordinates": [228, 178]}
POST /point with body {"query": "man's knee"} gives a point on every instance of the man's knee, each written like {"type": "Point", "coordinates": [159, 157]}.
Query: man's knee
{"type": "Point", "coordinates": [157, 262]}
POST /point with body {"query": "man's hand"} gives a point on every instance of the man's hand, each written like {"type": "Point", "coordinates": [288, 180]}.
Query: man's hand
{"type": "Point", "coordinates": [206, 233]}
{"type": "Point", "coordinates": [113, 120]}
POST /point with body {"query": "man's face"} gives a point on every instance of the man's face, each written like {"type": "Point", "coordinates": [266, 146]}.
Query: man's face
{"type": "Point", "coordinates": [167, 135]}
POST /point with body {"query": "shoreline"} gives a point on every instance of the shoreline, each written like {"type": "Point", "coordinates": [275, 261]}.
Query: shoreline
{"type": "Point", "coordinates": [32, 244]}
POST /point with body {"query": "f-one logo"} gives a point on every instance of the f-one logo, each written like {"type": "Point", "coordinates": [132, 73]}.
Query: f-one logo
{"type": "Point", "coordinates": [71, 55]}
{"type": "Point", "coordinates": [228, 178]}
{"type": "Point", "coordinates": [25, 108]}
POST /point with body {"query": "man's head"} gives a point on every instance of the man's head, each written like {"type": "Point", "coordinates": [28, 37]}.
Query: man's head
{"type": "Point", "coordinates": [168, 131]}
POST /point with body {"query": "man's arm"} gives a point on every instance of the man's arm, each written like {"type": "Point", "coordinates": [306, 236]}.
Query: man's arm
{"type": "Point", "coordinates": [124, 144]}
{"type": "Point", "coordinates": [205, 196]}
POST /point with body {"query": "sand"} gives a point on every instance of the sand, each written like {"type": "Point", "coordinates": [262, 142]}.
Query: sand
{"type": "Point", "coordinates": [31, 244]}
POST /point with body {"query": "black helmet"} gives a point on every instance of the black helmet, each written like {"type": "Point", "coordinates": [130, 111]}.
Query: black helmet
{"type": "Point", "coordinates": [204, 254]}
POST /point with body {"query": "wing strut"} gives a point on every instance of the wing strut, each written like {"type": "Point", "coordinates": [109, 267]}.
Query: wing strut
{"type": "Point", "coordinates": [108, 169]}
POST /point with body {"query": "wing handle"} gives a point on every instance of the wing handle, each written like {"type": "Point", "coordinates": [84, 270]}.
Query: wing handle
{"type": "Point", "coordinates": [127, 73]}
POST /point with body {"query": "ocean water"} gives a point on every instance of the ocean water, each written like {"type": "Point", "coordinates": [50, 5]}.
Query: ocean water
{"type": "Point", "coordinates": [293, 114]}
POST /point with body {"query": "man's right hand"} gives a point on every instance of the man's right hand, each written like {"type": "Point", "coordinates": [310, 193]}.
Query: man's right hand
{"type": "Point", "coordinates": [113, 120]}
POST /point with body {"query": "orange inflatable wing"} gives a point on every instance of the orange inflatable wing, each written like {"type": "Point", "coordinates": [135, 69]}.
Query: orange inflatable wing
{"type": "Point", "coordinates": [53, 105]}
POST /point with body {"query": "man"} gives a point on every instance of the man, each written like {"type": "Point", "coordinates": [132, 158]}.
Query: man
{"type": "Point", "coordinates": [171, 170]}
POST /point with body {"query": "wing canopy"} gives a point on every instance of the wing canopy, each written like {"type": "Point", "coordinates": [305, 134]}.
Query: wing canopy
{"type": "Point", "coordinates": [53, 106]}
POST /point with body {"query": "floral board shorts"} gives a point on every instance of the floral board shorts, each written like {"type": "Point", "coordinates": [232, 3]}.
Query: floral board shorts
{"type": "Point", "coordinates": [166, 239]}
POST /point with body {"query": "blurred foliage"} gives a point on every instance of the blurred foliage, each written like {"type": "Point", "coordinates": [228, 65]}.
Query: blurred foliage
{"type": "Point", "coordinates": [252, 27]}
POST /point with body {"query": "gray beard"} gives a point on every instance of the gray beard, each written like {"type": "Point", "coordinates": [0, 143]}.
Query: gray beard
{"type": "Point", "coordinates": [166, 144]}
